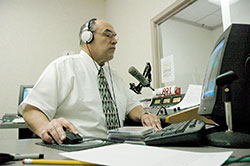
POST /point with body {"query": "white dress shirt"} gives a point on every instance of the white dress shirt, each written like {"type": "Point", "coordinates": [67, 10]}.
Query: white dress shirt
{"type": "Point", "coordinates": [69, 88]}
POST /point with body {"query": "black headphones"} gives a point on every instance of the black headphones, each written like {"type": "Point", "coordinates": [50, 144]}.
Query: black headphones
{"type": "Point", "coordinates": [87, 35]}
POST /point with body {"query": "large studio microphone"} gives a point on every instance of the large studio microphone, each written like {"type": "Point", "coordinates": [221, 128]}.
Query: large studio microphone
{"type": "Point", "coordinates": [135, 73]}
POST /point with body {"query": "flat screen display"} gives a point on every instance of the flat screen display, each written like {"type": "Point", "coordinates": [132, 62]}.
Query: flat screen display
{"type": "Point", "coordinates": [26, 92]}
{"type": "Point", "coordinates": [212, 71]}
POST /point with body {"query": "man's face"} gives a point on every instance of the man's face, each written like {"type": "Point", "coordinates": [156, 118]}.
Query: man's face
{"type": "Point", "coordinates": [104, 44]}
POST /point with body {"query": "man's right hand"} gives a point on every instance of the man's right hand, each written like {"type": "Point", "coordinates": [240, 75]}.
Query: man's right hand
{"type": "Point", "coordinates": [49, 131]}
{"type": "Point", "coordinates": [54, 131]}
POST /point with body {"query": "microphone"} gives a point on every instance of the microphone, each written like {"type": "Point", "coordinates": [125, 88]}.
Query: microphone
{"type": "Point", "coordinates": [135, 73]}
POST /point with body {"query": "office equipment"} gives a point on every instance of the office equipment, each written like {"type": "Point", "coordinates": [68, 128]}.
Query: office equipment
{"type": "Point", "coordinates": [160, 105]}
{"type": "Point", "coordinates": [225, 95]}
{"type": "Point", "coordinates": [55, 162]}
{"type": "Point", "coordinates": [231, 52]}
{"type": "Point", "coordinates": [24, 92]}
{"type": "Point", "coordinates": [228, 138]}
{"type": "Point", "coordinates": [86, 143]}
{"type": "Point", "coordinates": [15, 120]}
{"type": "Point", "coordinates": [72, 138]}
{"type": "Point", "coordinates": [4, 157]}
{"type": "Point", "coordinates": [183, 133]}
{"type": "Point", "coordinates": [19, 156]}
{"type": "Point", "coordinates": [9, 117]}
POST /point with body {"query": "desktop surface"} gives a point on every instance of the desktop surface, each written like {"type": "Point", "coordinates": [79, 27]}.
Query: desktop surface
{"type": "Point", "coordinates": [26, 146]}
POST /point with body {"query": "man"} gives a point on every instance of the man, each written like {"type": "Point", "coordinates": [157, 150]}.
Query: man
{"type": "Point", "coordinates": [67, 95]}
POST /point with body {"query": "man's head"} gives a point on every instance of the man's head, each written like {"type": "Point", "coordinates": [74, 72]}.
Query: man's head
{"type": "Point", "coordinates": [98, 39]}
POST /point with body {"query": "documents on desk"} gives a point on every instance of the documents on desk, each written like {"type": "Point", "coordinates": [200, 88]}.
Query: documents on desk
{"type": "Point", "coordinates": [192, 97]}
{"type": "Point", "coordinates": [188, 107]}
{"type": "Point", "coordinates": [134, 155]}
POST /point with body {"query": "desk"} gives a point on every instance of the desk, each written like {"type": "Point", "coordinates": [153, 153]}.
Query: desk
{"type": "Point", "coordinates": [10, 125]}
{"type": "Point", "coordinates": [29, 146]}
{"type": "Point", "coordinates": [23, 130]}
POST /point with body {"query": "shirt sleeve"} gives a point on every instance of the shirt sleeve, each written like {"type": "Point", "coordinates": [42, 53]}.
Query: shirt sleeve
{"type": "Point", "coordinates": [50, 89]}
{"type": "Point", "coordinates": [131, 98]}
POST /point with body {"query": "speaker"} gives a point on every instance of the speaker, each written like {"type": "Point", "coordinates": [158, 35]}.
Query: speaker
{"type": "Point", "coordinates": [87, 35]}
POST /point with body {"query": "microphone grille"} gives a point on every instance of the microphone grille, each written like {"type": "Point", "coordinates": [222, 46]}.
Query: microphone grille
{"type": "Point", "coordinates": [132, 70]}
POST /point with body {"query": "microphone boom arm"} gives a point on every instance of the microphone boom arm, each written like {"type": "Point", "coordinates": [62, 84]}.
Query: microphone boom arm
{"type": "Point", "coordinates": [147, 75]}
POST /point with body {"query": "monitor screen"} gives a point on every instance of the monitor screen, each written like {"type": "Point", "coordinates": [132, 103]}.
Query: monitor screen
{"type": "Point", "coordinates": [212, 71]}
{"type": "Point", "coordinates": [26, 92]}
{"type": "Point", "coordinates": [231, 53]}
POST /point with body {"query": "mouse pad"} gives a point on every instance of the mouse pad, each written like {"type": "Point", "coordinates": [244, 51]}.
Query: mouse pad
{"type": "Point", "coordinates": [85, 144]}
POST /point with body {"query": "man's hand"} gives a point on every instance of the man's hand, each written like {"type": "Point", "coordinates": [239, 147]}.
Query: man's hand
{"type": "Point", "coordinates": [138, 114]}
{"type": "Point", "coordinates": [151, 120]}
{"type": "Point", "coordinates": [54, 131]}
{"type": "Point", "coordinates": [49, 131]}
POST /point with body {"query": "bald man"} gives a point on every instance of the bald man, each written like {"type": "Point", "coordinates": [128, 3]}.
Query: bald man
{"type": "Point", "coordinates": [67, 95]}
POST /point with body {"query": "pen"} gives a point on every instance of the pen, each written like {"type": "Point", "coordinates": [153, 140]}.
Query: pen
{"type": "Point", "coordinates": [19, 156]}
{"type": "Point", "coordinates": [61, 162]}
{"type": "Point", "coordinates": [247, 159]}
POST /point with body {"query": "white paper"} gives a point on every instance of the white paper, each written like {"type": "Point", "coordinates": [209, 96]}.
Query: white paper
{"type": "Point", "coordinates": [134, 155]}
{"type": "Point", "coordinates": [167, 69]}
{"type": "Point", "coordinates": [191, 98]}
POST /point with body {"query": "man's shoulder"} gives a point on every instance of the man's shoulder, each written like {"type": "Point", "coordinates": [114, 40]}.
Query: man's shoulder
{"type": "Point", "coordinates": [67, 60]}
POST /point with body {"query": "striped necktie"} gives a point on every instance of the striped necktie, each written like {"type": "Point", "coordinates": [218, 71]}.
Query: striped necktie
{"type": "Point", "coordinates": [108, 105]}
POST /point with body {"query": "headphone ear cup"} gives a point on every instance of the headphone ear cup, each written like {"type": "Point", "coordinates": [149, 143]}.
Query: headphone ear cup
{"type": "Point", "coordinates": [87, 37]}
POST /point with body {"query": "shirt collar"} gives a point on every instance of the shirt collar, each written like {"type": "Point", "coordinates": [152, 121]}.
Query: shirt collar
{"type": "Point", "coordinates": [87, 57]}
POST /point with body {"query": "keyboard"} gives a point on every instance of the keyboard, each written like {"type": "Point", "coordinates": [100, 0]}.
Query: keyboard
{"type": "Point", "coordinates": [183, 133]}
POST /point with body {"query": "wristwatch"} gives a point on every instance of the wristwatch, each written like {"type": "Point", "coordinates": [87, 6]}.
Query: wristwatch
{"type": "Point", "coordinates": [145, 112]}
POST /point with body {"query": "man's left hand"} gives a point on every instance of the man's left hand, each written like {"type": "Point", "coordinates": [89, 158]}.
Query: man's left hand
{"type": "Point", "coordinates": [151, 120]}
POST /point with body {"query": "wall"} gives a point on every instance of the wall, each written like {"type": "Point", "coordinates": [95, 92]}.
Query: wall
{"type": "Point", "coordinates": [191, 47]}
{"type": "Point", "coordinates": [240, 12]}
{"type": "Point", "coordinates": [131, 19]}
{"type": "Point", "coordinates": [33, 33]}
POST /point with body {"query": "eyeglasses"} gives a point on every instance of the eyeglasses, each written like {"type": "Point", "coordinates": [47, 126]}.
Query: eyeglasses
{"type": "Point", "coordinates": [110, 35]}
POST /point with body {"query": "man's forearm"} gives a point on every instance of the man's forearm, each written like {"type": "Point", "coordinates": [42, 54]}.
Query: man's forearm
{"type": "Point", "coordinates": [136, 113]}
{"type": "Point", "coordinates": [35, 119]}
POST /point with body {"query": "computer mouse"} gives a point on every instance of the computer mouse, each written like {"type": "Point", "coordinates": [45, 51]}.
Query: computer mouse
{"type": "Point", "coordinates": [72, 138]}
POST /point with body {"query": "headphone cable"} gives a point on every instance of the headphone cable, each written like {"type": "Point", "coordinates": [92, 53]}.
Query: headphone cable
{"type": "Point", "coordinates": [112, 85]}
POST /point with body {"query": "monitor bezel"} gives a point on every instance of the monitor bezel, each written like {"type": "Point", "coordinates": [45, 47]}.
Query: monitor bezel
{"type": "Point", "coordinates": [207, 104]}
{"type": "Point", "coordinates": [21, 91]}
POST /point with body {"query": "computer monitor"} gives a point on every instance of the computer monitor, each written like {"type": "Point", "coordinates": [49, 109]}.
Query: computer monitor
{"type": "Point", "coordinates": [231, 52]}
{"type": "Point", "coordinates": [23, 93]}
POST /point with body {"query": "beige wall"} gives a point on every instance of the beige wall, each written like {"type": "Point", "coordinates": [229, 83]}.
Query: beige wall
{"type": "Point", "coordinates": [191, 47]}
{"type": "Point", "coordinates": [35, 32]}
{"type": "Point", "coordinates": [131, 18]}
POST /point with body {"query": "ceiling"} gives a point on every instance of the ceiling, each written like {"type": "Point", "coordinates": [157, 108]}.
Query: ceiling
{"type": "Point", "coordinates": [201, 13]}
